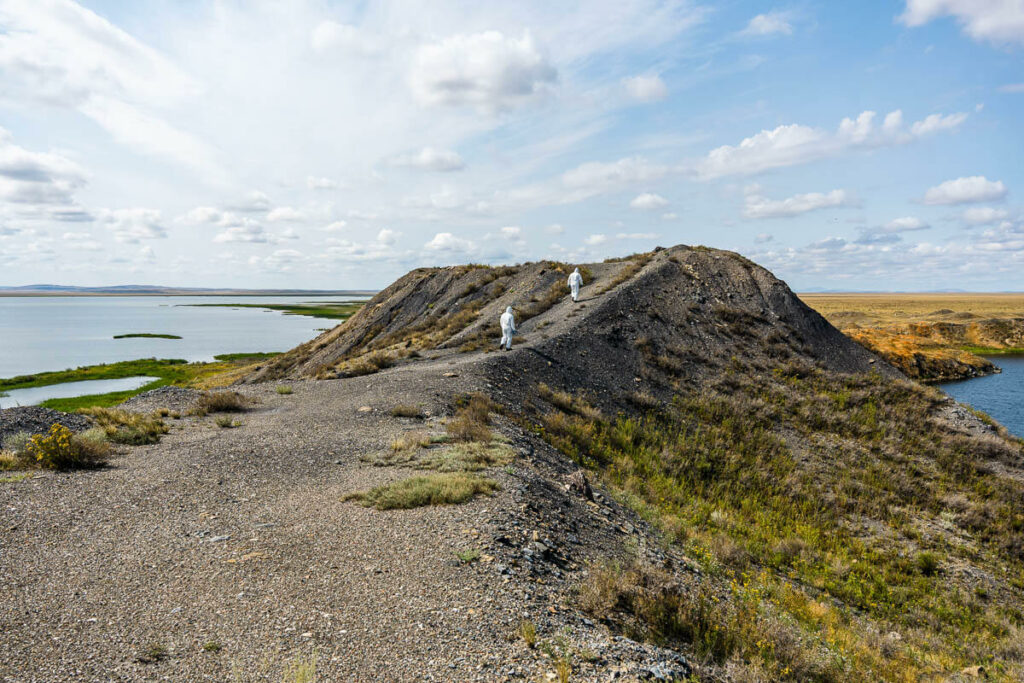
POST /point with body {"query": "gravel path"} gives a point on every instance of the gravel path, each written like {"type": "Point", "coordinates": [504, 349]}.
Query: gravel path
{"type": "Point", "coordinates": [225, 554]}
{"type": "Point", "coordinates": [37, 420]}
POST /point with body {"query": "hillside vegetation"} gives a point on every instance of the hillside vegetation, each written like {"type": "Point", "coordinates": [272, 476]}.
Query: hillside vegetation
{"type": "Point", "coordinates": [848, 524]}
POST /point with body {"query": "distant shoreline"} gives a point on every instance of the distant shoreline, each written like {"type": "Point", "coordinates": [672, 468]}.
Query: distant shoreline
{"type": "Point", "coordinates": [224, 292]}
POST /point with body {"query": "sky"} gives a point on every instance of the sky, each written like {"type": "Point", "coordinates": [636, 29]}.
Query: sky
{"type": "Point", "coordinates": [312, 144]}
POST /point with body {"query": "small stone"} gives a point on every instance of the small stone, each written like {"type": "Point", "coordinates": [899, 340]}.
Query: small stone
{"type": "Point", "coordinates": [450, 374]}
{"type": "Point", "coordinates": [365, 409]}
{"type": "Point", "coordinates": [219, 539]}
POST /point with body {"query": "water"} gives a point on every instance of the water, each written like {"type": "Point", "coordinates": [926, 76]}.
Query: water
{"type": "Point", "coordinates": [1001, 396]}
{"type": "Point", "coordinates": [36, 395]}
{"type": "Point", "coordinates": [54, 333]}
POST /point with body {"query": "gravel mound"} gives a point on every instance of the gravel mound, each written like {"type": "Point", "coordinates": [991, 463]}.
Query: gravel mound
{"type": "Point", "coordinates": [37, 420]}
{"type": "Point", "coordinates": [175, 399]}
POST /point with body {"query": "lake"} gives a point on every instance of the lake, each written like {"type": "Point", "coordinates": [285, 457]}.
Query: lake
{"type": "Point", "coordinates": [35, 395]}
{"type": "Point", "coordinates": [1001, 396]}
{"type": "Point", "coordinates": [56, 333]}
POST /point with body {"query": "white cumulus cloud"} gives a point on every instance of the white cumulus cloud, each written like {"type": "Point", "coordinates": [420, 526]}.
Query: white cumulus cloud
{"type": "Point", "coordinates": [768, 24]}
{"type": "Point", "coordinates": [983, 215]}
{"type": "Point", "coordinates": [995, 21]}
{"type": "Point", "coordinates": [431, 159]}
{"type": "Point", "coordinates": [757, 206]}
{"type": "Point", "coordinates": [488, 70]}
{"type": "Point", "coordinates": [648, 201]}
{"type": "Point", "coordinates": [965, 190]}
{"type": "Point", "coordinates": [132, 225]}
{"type": "Point", "coordinates": [794, 144]}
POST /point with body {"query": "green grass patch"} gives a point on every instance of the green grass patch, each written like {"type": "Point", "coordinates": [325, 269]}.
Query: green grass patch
{"type": "Point", "coordinates": [993, 351]}
{"type": "Point", "coordinates": [168, 371]}
{"type": "Point", "coordinates": [146, 335]}
{"type": "Point", "coordinates": [15, 478]}
{"type": "Point", "coordinates": [332, 310]}
{"type": "Point", "coordinates": [434, 489]}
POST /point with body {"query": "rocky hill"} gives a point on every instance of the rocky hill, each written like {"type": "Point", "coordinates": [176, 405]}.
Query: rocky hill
{"type": "Point", "coordinates": [687, 475]}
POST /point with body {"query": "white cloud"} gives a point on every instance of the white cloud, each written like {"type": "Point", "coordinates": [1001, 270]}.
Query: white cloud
{"type": "Point", "coordinates": [430, 159]}
{"type": "Point", "coordinates": [512, 232]}
{"type": "Point", "coordinates": [637, 236]}
{"type": "Point", "coordinates": [670, 216]}
{"type": "Point", "coordinates": [388, 237]}
{"type": "Point", "coordinates": [965, 190]}
{"type": "Point", "coordinates": [757, 206]}
{"type": "Point", "coordinates": [315, 183]}
{"type": "Point", "coordinates": [763, 238]}
{"type": "Point", "coordinates": [768, 24]}
{"type": "Point", "coordinates": [995, 21]}
{"type": "Point", "coordinates": [331, 35]}
{"type": "Point", "coordinates": [336, 226]}
{"type": "Point", "coordinates": [905, 224]}
{"type": "Point", "coordinates": [132, 225]}
{"type": "Point", "coordinates": [890, 232]}
{"type": "Point", "coordinates": [648, 201]}
{"type": "Point", "coordinates": [41, 178]}
{"type": "Point", "coordinates": [285, 213]}
{"type": "Point", "coordinates": [794, 144]}
{"type": "Point", "coordinates": [1012, 88]}
{"type": "Point", "coordinates": [594, 240]}
{"type": "Point", "coordinates": [646, 88]}
{"type": "Point", "coordinates": [983, 215]}
{"type": "Point", "coordinates": [446, 241]}
{"type": "Point", "coordinates": [254, 202]}
{"type": "Point", "coordinates": [555, 229]}
{"type": "Point", "coordinates": [60, 53]}
{"type": "Point", "coordinates": [487, 70]}
{"type": "Point", "coordinates": [933, 123]}
{"type": "Point", "coordinates": [251, 232]}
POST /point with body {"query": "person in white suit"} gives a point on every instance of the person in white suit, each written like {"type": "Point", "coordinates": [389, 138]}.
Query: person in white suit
{"type": "Point", "coordinates": [575, 282]}
{"type": "Point", "coordinates": [508, 328]}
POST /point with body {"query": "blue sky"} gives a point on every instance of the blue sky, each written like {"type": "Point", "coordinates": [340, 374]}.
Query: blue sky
{"type": "Point", "coordinates": [859, 146]}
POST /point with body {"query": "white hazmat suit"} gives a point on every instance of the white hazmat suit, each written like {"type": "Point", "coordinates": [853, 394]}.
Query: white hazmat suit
{"type": "Point", "coordinates": [508, 328]}
{"type": "Point", "coordinates": [575, 282]}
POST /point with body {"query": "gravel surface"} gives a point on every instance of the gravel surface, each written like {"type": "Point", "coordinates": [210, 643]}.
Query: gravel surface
{"type": "Point", "coordinates": [174, 399]}
{"type": "Point", "coordinates": [38, 420]}
{"type": "Point", "coordinates": [224, 553]}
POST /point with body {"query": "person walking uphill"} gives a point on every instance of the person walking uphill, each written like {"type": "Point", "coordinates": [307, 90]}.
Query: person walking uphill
{"type": "Point", "coordinates": [508, 328]}
{"type": "Point", "coordinates": [575, 282]}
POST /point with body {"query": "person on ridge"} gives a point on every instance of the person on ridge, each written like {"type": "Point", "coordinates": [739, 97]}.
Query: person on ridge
{"type": "Point", "coordinates": [508, 328]}
{"type": "Point", "coordinates": [575, 282]}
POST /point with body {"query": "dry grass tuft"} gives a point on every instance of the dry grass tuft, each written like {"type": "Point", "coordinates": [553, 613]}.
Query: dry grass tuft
{"type": "Point", "coordinates": [433, 489]}
{"type": "Point", "coordinates": [407, 410]}
{"type": "Point", "coordinates": [124, 427]}
{"type": "Point", "coordinates": [221, 402]}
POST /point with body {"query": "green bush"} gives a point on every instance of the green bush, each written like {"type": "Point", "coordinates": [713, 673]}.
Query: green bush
{"type": "Point", "coordinates": [60, 449]}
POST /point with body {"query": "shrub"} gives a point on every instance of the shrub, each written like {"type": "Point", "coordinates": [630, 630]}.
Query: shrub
{"type": "Point", "coordinates": [283, 390]}
{"type": "Point", "coordinates": [221, 402]}
{"type": "Point", "coordinates": [406, 410]}
{"type": "Point", "coordinates": [123, 427]}
{"type": "Point", "coordinates": [16, 443]}
{"type": "Point", "coordinates": [927, 563]}
{"type": "Point", "coordinates": [225, 422]}
{"type": "Point", "coordinates": [411, 441]}
{"type": "Point", "coordinates": [60, 449]}
{"type": "Point", "coordinates": [434, 489]}
{"type": "Point", "coordinates": [471, 420]}
{"type": "Point", "coordinates": [528, 632]}
{"type": "Point", "coordinates": [468, 556]}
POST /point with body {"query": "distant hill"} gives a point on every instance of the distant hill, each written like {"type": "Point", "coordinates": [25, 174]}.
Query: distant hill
{"type": "Point", "coordinates": [156, 290]}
